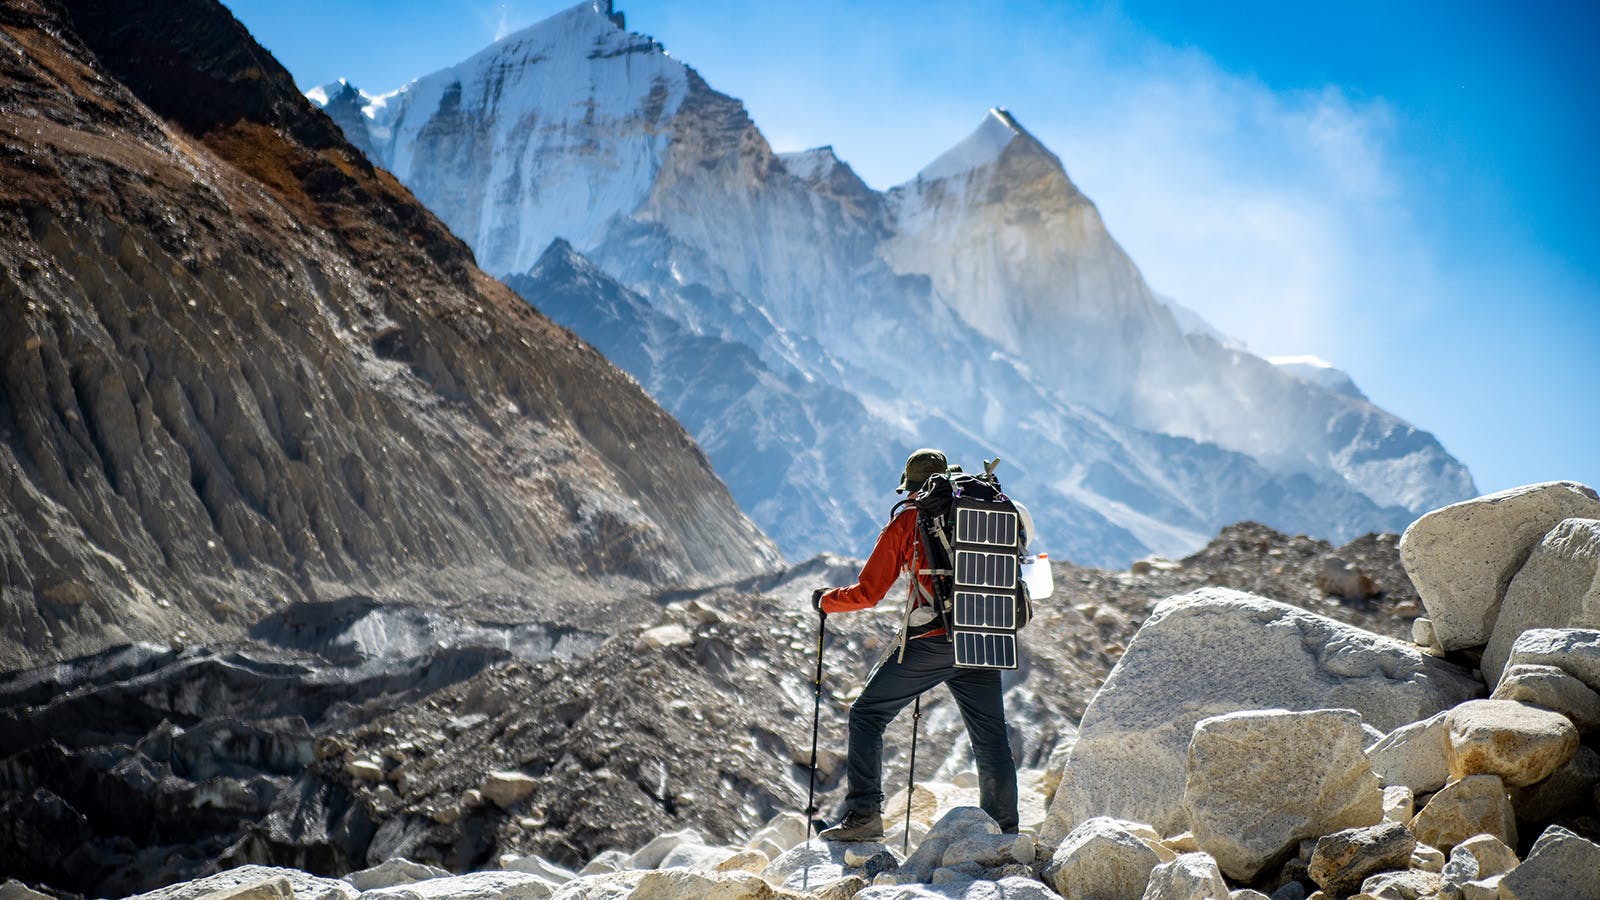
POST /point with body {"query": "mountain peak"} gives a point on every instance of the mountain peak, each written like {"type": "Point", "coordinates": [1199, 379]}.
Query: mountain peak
{"type": "Point", "coordinates": [980, 148]}
{"type": "Point", "coordinates": [592, 23]}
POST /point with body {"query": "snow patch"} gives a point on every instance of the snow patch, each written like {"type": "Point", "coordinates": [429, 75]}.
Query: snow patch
{"type": "Point", "coordinates": [979, 149]}
{"type": "Point", "coordinates": [810, 165]}
{"type": "Point", "coordinates": [1318, 371]}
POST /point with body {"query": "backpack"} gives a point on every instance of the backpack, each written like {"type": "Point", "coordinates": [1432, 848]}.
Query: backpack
{"type": "Point", "coordinates": [970, 542]}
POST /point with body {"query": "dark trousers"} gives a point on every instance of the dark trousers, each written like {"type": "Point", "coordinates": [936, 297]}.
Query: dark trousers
{"type": "Point", "coordinates": [930, 662]}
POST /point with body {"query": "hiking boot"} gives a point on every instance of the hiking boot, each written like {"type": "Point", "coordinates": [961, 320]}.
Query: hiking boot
{"type": "Point", "coordinates": [856, 826]}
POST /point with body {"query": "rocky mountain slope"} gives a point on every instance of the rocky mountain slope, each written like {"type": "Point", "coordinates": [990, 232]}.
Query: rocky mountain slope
{"type": "Point", "coordinates": [243, 368]}
{"type": "Point", "coordinates": [981, 306]}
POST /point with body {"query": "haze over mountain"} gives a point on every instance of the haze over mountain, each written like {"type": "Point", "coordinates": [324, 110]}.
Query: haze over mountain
{"type": "Point", "coordinates": [981, 306]}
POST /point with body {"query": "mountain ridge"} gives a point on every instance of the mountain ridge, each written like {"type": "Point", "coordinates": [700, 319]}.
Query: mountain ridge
{"type": "Point", "coordinates": [987, 308]}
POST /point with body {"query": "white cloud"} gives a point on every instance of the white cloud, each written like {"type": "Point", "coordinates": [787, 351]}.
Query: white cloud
{"type": "Point", "coordinates": [1275, 215]}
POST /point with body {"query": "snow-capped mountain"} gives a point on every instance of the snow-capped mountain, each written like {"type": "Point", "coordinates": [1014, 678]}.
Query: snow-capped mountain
{"type": "Point", "coordinates": [981, 306]}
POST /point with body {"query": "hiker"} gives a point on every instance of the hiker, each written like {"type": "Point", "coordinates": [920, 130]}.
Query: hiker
{"type": "Point", "coordinates": [922, 659]}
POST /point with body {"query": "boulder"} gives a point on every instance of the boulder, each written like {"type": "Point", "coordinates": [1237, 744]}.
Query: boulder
{"type": "Point", "coordinates": [1398, 804]}
{"type": "Point", "coordinates": [604, 862]}
{"type": "Point", "coordinates": [1008, 888]}
{"type": "Point", "coordinates": [686, 884]}
{"type": "Point", "coordinates": [815, 866]}
{"type": "Point", "coordinates": [391, 872]}
{"type": "Point", "coordinates": [653, 852]}
{"type": "Point", "coordinates": [537, 865]}
{"type": "Point", "coordinates": [274, 888]}
{"type": "Point", "coordinates": [1214, 651]}
{"type": "Point", "coordinates": [781, 832]}
{"type": "Point", "coordinates": [664, 636]}
{"type": "Point", "coordinates": [1566, 789]}
{"type": "Point", "coordinates": [1407, 885]}
{"type": "Point", "coordinates": [1344, 859]}
{"type": "Point", "coordinates": [1520, 743]}
{"type": "Point", "coordinates": [1101, 859]}
{"type": "Point", "coordinates": [1341, 578]}
{"type": "Point", "coordinates": [507, 789]}
{"type": "Point", "coordinates": [989, 850]}
{"type": "Point", "coordinates": [958, 824]}
{"type": "Point", "coordinates": [1560, 864]}
{"type": "Point", "coordinates": [1477, 804]}
{"type": "Point", "coordinates": [1247, 894]}
{"type": "Point", "coordinates": [1427, 859]}
{"type": "Point", "coordinates": [1461, 558]}
{"type": "Point", "coordinates": [1261, 781]}
{"type": "Point", "coordinates": [364, 769]}
{"type": "Point", "coordinates": [1575, 651]}
{"type": "Point", "coordinates": [304, 886]}
{"type": "Point", "coordinates": [1413, 755]}
{"type": "Point", "coordinates": [1422, 634]}
{"type": "Point", "coordinates": [473, 886]}
{"type": "Point", "coordinates": [1558, 587]}
{"type": "Point", "coordinates": [1553, 689]}
{"type": "Point", "coordinates": [1192, 876]}
{"type": "Point", "coordinates": [1482, 889]}
{"type": "Point", "coordinates": [1475, 859]}
{"type": "Point", "coordinates": [745, 860]}
{"type": "Point", "coordinates": [13, 889]}
{"type": "Point", "coordinates": [703, 857]}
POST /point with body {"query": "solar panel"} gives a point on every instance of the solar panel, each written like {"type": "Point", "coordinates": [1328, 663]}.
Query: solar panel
{"type": "Point", "coordinates": [986, 649]}
{"type": "Point", "coordinates": [995, 527]}
{"type": "Point", "coordinates": [977, 610]}
{"type": "Point", "coordinates": [985, 592]}
{"type": "Point", "coordinates": [986, 570]}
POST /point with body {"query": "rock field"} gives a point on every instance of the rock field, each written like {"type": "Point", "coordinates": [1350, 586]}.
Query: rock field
{"type": "Point", "coordinates": [1215, 743]}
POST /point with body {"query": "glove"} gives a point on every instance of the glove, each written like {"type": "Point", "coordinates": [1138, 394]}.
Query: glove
{"type": "Point", "coordinates": [816, 601]}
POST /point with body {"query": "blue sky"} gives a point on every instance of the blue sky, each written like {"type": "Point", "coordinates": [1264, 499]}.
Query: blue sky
{"type": "Point", "coordinates": [1404, 189]}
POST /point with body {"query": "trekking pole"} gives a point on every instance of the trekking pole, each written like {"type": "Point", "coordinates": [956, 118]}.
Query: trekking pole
{"type": "Point", "coordinates": [816, 717]}
{"type": "Point", "coordinates": [911, 774]}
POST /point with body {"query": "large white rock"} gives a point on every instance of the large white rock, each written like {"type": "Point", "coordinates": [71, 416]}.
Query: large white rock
{"type": "Point", "coordinates": [957, 825]}
{"type": "Point", "coordinates": [1461, 558]}
{"type": "Point", "coordinates": [1553, 689]}
{"type": "Point", "coordinates": [1477, 858]}
{"type": "Point", "coordinates": [1477, 804]}
{"type": "Point", "coordinates": [813, 867]}
{"type": "Point", "coordinates": [537, 865]}
{"type": "Point", "coordinates": [1009, 888]}
{"type": "Point", "coordinates": [1558, 587]}
{"type": "Point", "coordinates": [1262, 781]}
{"type": "Point", "coordinates": [473, 886]}
{"type": "Point", "coordinates": [1561, 864]}
{"type": "Point", "coordinates": [781, 832]}
{"type": "Point", "coordinates": [1341, 861]}
{"type": "Point", "coordinates": [652, 853]}
{"type": "Point", "coordinates": [13, 889]}
{"type": "Point", "coordinates": [1413, 755]}
{"type": "Point", "coordinates": [305, 887]}
{"type": "Point", "coordinates": [1192, 876]}
{"type": "Point", "coordinates": [1101, 858]}
{"type": "Point", "coordinates": [1522, 744]}
{"type": "Point", "coordinates": [1575, 651]}
{"type": "Point", "coordinates": [1215, 651]}
{"type": "Point", "coordinates": [506, 789]}
{"type": "Point", "coordinates": [687, 884]}
{"type": "Point", "coordinates": [391, 872]}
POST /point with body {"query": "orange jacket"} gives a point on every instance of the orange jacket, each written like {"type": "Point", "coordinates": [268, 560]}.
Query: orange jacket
{"type": "Point", "coordinates": [891, 555]}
